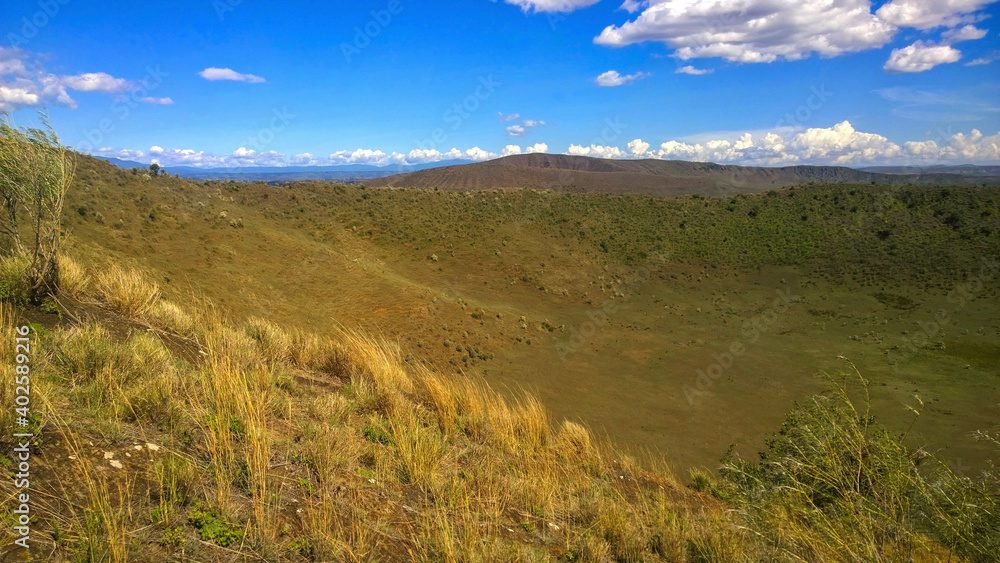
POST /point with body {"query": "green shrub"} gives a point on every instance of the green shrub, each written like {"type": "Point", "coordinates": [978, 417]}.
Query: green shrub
{"type": "Point", "coordinates": [13, 278]}
{"type": "Point", "coordinates": [833, 483]}
{"type": "Point", "coordinates": [212, 527]}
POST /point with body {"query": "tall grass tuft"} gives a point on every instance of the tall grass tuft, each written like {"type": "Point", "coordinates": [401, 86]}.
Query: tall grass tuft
{"type": "Point", "coordinates": [126, 291]}
{"type": "Point", "coordinates": [73, 278]}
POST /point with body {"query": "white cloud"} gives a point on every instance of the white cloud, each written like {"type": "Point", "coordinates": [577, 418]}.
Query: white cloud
{"type": "Point", "coordinates": [476, 153]}
{"type": "Point", "coordinates": [510, 150]}
{"type": "Point", "coordinates": [366, 156]}
{"type": "Point", "coordinates": [551, 6]}
{"type": "Point", "coordinates": [421, 156]}
{"type": "Point", "coordinates": [13, 98]}
{"type": "Point", "coordinates": [966, 33]}
{"type": "Point", "coordinates": [928, 14]}
{"type": "Point", "coordinates": [693, 71]}
{"type": "Point", "coordinates": [213, 74]}
{"type": "Point", "coordinates": [304, 159]}
{"type": "Point", "coordinates": [597, 151]}
{"type": "Point", "coordinates": [638, 147]}
{"type": "Point", "coordinates": [158, 150]}
{"type": "Point", "coordinates": [612, 78]}
{"type": "Point", "coordinates": [537, 148]}
{"type": "Point", "coordinates": [842, 144]}
{"type": "Point", "coordinates": [157, 101]}
{"type": "Point", "coordinates": [983, 60]}
{"type": "Point", "coordinates": [837, 145]}
{"type": "Point", "coordinates": [510, 117]}
{"type": "Point", "coordinates": [921, 56]}
{"type": "Point", "coordinates": [523, 128]}
{"type": "Point", "coordinates": [126, 154]}
{"type": "Point", "coordinates": [96, 82]}
{"type": "Point", "coordinates": [25, 82]}
{"type": "Point", "coordinates": [753, 31]}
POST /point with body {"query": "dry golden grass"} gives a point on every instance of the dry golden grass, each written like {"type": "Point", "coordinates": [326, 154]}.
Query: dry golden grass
{"type": "Point", "coordinates": [73, 278]}
{"type": "Point", "coordinates": [172, 317]}
{"type": "Point", "coordinates": [126, 291]}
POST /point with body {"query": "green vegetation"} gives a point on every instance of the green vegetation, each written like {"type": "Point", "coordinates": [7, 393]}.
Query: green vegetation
{"type": "Point", "coordinates": [834, 484]}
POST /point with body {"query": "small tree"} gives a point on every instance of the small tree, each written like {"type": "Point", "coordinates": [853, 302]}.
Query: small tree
{"type": "Point", "coordinates": [35, 173]}
{"type": "Point", "coordinates": [154, 169]}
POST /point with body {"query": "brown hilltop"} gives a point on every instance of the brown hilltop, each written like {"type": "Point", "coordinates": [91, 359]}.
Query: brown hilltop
{"type": "Point", "coordinates": [559, 172]}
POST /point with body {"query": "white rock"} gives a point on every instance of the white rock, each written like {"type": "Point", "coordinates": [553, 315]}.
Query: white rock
{"type": "Point", "coordinates": [116, 464]}
{"type": "Point", "coordinates": [152, 447]}
{"type": "Point", "coordinates": [109, 455]}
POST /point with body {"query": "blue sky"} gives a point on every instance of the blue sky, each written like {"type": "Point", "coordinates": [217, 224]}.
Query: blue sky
{"type": "Point", "coordinates": [769, 82]}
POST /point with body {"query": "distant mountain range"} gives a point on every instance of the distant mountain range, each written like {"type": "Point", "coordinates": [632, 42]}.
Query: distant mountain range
{"type": "Point", "coordinates": [585, 174]}
{"type": "Point", "coordinates": [274, 174]}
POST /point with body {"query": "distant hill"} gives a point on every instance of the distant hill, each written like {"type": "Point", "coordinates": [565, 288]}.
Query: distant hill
{"type": "Point", "coordinates": [651, 177]}
{"type": "Point", "coordinates": [966, 170]}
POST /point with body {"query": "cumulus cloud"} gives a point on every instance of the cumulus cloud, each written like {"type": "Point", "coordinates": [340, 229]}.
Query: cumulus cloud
{"type": "Point", "coordinates": [693, 71]}
{"type": "Point", "coordinates": [213, 74]}
{"type": "Point", "coordinates": [753, 31]}
{"type": "Point", "coordinates": [966, 33]}
{"type": "Point", "coordinates": [25, 82]}
{"type": "Point", "coordinates": [597, 151]}
{"type": "Point", "coordinates": [920, 57]}
{"type": "Point", "coordinates": [508, 117]}
{"type": "Point", "coordinates": [551, 6]}
{"type": "Point", "coordinates": [841, 144]}
{"type": "Point", "coordinates": [929, 14]}
{"type": "Point", "coordinates": [304, 159]}
{"type": "Point", "coordinates": [157, 101]}
{"type": "Point", "coordinates": [523, 128]}
{"type": "Point", "coordinates": [96, 82]}
{"type": "Point", "coordinates": [511, 150]}
{"type": "Point", "coordinates": [366, 156]}
{"type": "Point", "coordinates": [12, 98]}
{"type": "Point", "coordinates": [612, 78]}
{"type": "Point", "coordinates": [638, 147]}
